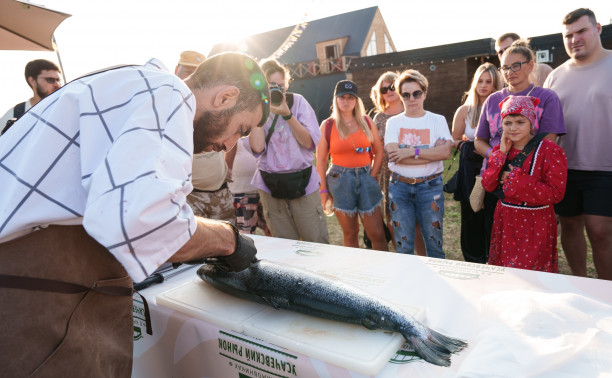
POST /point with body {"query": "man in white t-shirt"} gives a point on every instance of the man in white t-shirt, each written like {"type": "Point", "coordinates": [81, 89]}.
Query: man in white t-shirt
{"type": "Point", "coordinates": [583, 86]}
{"type": "Point", "coordinates": [43, 77]}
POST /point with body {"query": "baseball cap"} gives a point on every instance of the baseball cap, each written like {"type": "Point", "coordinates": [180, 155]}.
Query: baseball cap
{"type": "Point", "coordinates": [191, 58]}
{"type": "Point", "coordinates": [346, 87]}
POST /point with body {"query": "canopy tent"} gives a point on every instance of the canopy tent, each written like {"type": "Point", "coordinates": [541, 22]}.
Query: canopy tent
{"type": "Point", "coordinates": [26, 26]}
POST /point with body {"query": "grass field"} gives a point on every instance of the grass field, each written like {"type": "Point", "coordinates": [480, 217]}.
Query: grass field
{"type": "Point", "coordinates": [452, 231]}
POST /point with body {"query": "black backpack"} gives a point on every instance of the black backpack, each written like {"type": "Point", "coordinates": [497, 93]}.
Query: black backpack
{"type": "Point", "coordinates": [18, 111]}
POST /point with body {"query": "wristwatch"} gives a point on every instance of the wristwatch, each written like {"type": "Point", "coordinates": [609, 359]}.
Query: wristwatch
{"type": "Point", "coordinates": [416, 153]}
{"type": "Point", "coordinates": [288, 117]}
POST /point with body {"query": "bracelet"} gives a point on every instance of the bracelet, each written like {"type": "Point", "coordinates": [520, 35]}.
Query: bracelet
{"type": "Point", "coordinates": [323, 191]}
{"type": "Point", "coordinates": [489, 152]}
{"type": "Point", "coordinates": [416, 153]}
{"type": "Point", "coordinates": [288, 117]}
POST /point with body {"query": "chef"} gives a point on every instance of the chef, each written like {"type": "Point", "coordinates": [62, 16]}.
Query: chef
{"type": "Point", "coordinates": [94, 181]}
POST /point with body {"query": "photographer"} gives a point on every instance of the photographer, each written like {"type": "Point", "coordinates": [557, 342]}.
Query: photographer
{"type": "Point", "coordinates": [284, 148]}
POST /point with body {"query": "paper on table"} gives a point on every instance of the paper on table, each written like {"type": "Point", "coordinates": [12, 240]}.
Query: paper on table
{"type": "Point", "coordinates": [529, 333]}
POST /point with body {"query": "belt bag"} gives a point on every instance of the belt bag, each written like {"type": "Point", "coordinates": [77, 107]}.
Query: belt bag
{"type": "Point", "coordinates": [287, 185]}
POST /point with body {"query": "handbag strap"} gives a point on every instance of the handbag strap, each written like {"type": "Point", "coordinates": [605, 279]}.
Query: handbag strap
{"type": "Point", "coordinates": [451, 163]}
{"type": "Point", "coordinates": [520, 158]}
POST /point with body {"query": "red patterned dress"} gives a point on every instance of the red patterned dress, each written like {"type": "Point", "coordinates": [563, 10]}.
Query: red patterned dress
{"type": "Point", "coordinates": [524, 228]}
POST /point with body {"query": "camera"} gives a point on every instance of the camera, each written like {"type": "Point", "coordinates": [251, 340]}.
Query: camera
{"type": "Point", "coordinates": [276, 94]}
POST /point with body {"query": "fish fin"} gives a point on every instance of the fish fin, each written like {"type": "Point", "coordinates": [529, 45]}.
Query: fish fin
{"type": "Point", "coordinates": [452, 344]}
{"type": "Point", "coordinates": [369, 324]}
{"type": "Point", "coordinates": [270, 302]}
{"type": "Point", "coordinates": [436, 348]}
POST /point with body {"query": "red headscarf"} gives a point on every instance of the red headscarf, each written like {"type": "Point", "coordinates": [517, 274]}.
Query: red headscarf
{"type": "Point", "coordinates": [522, 105]}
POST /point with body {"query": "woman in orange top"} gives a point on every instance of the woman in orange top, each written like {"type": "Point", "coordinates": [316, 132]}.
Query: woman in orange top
{"type": "Point", "coordinates": [350, 137]}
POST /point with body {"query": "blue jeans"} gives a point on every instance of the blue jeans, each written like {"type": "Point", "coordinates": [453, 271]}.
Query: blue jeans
{"type": "Point", "coordinates": [419, 203]}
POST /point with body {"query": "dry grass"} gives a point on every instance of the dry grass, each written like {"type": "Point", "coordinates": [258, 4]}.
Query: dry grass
{"type": "Point", "coordinates": [452, 232]}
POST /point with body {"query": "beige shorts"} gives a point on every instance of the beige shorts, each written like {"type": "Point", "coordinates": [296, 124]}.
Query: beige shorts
{"type": "Point", "coordinates": [298, 219]}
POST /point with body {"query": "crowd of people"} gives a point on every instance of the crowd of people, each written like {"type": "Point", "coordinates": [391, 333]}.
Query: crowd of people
{"type": "Point", "coordinates": [113, 181]}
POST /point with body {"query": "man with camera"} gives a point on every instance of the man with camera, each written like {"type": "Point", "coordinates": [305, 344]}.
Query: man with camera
{"type": "Point", "coordinates": [284, 148]}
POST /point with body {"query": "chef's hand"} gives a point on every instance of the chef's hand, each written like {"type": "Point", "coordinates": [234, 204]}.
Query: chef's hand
{"type": "Point", "coordinates": [242, 258]}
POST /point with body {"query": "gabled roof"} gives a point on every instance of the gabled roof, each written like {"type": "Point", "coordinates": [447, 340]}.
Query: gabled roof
{"type": "Point", "coordinates": [355, 25]}
{"type": "Point", "coordinates": [479, 47]}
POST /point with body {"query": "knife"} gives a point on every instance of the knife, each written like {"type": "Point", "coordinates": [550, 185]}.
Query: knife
{"type": "Point", "coordinates": [159, 278]}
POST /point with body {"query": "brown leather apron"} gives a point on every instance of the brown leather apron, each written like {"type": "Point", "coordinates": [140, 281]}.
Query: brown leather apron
{"type": "Point", "coordinates": [65, 307]}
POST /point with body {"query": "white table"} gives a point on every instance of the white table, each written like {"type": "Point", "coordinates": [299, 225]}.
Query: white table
{"type": "Point", "coordinates": [517, 322]}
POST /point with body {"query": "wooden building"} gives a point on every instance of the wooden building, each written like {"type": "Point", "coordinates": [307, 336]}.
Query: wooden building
{"type": "Point", "coordinates": [319, 53]}
{"type": "Point", "coordinates": [357, 46]}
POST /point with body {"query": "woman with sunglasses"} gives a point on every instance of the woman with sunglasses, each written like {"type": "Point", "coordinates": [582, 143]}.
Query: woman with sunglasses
{"type": "Point", "coordinates": [349, 137]}
{"type": "Point", "coordinates": [417, 141]}
{"type": "Point", "coordinates": [475, 240]}
{"type": "Point", "coordinates": [517, 62]}
{"type": "Point", "coordinates": [387, 103]}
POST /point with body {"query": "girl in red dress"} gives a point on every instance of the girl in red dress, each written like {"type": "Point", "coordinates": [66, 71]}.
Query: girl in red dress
{"type": "Point", "coordinates": [524, 229]}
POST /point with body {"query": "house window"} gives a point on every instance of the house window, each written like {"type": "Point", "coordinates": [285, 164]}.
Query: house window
{"type": "Point", "coordinates": [388, 47]}
{"type": "Point", "coordinates": [371, 50]}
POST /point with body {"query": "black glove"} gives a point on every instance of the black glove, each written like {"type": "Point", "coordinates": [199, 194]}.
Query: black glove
{"type": "Point", "coordinates": [242, 258]}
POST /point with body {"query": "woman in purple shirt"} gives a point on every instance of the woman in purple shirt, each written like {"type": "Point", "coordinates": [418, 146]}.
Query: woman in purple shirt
{"type": "Point", "coordinates": [517, 62]}
{"type": "Point", "coordinates": [284, 148]}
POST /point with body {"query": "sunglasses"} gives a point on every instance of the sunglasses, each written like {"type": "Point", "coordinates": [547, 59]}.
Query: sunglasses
{"type": "Point", "coordinates": [515, 67]}
{"type": "Point", "coordinates": [50, 80]}
{"type": "Point", "coordinates": [416, 94]}
{"type": "Point", "coordinates": [361, 150]}
{"type": "Point", "coordinates": [390, 88]}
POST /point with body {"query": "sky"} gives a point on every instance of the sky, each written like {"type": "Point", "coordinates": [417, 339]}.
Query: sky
{"type": "Point", "coordinates": [106, 33]}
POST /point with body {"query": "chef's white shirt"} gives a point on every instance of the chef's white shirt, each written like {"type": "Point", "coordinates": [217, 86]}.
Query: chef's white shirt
{"type": "Point", "coordinates": [111, 151]}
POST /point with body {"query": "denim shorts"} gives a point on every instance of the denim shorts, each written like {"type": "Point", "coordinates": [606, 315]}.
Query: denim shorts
{"type": "Point", "coordinates": [353, 190]}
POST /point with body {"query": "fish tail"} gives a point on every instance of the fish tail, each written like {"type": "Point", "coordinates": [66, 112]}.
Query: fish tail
{"type": "Point", "coordinates": [436, 348]}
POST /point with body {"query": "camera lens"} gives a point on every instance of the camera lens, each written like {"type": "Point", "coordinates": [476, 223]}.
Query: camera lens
{"type": "Point", "coordinates": [276, 94]}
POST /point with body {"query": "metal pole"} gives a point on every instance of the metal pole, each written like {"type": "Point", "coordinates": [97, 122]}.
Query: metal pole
{"type": "Point", "coordinates": [58, 57]}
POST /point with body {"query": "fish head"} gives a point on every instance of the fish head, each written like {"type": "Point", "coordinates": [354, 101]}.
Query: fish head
{"type": "Point", "coordinates": [228, 281]}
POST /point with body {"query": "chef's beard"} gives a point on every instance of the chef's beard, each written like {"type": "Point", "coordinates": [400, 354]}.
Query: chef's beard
{"type": "Point", "coordinates": [210, 126]}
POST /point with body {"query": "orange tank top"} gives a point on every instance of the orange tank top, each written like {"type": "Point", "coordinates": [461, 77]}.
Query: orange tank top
{"type": "Point", "coordinates": [343, 152]}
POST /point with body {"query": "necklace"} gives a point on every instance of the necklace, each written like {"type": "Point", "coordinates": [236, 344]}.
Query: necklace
{"type": "Point", "coordinates": [350, 123]}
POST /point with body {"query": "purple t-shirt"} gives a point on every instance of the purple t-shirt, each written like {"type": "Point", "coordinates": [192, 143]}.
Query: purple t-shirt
{"type": "Point", "coordinates": [283, 153]}
{"type": "Point", "coordinates": [549, 114]}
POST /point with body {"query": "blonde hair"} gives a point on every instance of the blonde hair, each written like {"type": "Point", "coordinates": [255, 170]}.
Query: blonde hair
{"type": "Point", "coordinates": [377, 98]}
{"type": "Point", "coordinates": [472, 100]}
{"type": "Point", "coordinates": [358, 112]}
{"type": "Point", "coordinates": [520, 46]}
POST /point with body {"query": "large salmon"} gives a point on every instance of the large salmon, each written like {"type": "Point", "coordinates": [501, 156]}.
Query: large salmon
{"type": "Point", "coordinates": [298, 290]}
